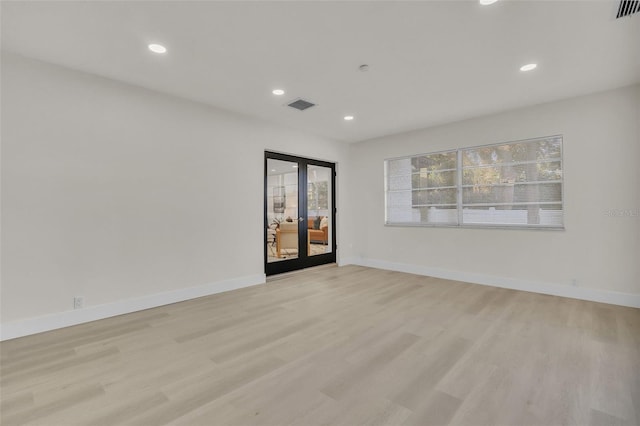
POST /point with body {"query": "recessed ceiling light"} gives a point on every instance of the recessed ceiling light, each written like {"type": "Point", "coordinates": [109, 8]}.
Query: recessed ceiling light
{"type": "Point", "coordinates": [295, 166]}
{"type": "Point", "coordinates": [278, 92]}
{"type": "Point", "coordinates": [273, 170]}
{"type": "Point", "coordinates": [157, 48]}
{"type": "Point", "coordinates": [348, 117]}
{"type": "Point", "coordinates": [487, 2]}
{"type": "Point", "coordinates": [528, 67]}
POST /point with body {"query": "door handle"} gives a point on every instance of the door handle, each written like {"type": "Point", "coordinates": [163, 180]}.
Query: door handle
{"type": "Point", "coordinates": [301, 219]}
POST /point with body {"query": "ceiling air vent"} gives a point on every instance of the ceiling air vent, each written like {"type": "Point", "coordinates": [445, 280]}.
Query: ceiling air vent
{"type": "Point", "coordinates": [301, 104]}
{"type": "Point", "coordinates": [628, 7]}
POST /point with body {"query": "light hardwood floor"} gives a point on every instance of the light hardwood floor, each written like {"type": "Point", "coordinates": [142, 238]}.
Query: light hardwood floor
{"type": "Point", "coordinates": [336, 346]}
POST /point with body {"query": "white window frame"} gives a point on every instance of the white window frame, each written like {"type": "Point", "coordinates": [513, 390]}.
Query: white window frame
{"type": "Point", "coordinates": [460, 186]}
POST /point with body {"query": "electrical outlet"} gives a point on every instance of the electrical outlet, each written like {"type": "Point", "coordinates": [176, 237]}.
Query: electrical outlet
{"type": "Point", "coordinates": [78, 302]}
{"type": "Point", "coordinates": [574, 282]}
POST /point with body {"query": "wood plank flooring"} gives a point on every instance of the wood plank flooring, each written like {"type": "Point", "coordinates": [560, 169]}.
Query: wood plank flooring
{"type": "Point", "coordinates": [336, 346]}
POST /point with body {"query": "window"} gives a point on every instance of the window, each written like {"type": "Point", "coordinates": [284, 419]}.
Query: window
{"type": "Point", "coordinates": [423, 189]}
{"type": "Point", "coordinates": [516, 184]}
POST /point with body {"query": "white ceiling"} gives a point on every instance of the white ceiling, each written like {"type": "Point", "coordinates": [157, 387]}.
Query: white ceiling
{"type": "Point", "coordinates": [431, 62]}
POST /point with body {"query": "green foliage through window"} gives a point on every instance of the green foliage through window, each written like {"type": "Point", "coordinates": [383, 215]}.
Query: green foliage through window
{"type": "Point", "coordinates": [518, 183]}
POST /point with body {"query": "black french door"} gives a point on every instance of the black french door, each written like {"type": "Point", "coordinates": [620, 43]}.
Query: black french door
{"type": "Point", "coordinates": [299, 213]}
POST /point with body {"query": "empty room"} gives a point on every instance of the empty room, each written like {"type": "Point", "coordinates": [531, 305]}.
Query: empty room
{"type": "Point", "coordinates": [320, 213]}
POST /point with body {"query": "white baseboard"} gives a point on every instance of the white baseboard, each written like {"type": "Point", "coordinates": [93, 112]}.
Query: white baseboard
{"type": "Point", "coordinates": [29, 326]}
{"type": "Point", "coordinates": [349, 261]}
{"type": "Point", "coordinates": [582, 293]}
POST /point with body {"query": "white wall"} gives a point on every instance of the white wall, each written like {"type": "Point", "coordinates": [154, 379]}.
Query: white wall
{"type": "Point", "coordinates": [121, 194]}
{"type": "Point", "coordinates": [601, 170]}
{"type": "Point", "coordinates": [113, 192]}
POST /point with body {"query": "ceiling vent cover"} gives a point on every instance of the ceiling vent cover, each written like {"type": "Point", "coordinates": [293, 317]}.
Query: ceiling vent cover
{"type": "Point", "coordinates": [628, 7]}
{"type": "Point", "coordinates": [301, 104]}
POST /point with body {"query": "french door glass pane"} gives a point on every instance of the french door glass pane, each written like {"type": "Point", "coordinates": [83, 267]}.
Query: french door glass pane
{"type": "Point", "coordinates": [282, 210]}
{"type": "Point", "coordinates": [319, 226]}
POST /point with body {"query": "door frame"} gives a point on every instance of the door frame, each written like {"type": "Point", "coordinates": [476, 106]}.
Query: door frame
{"type": "Point", "coordinates": [303, 260]}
